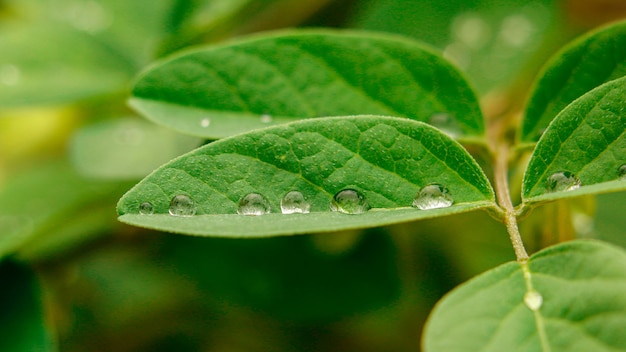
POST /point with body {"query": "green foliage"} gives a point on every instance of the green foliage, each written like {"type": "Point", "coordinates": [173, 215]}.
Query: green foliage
{"type": "Point", "coordinates": [568, 297]}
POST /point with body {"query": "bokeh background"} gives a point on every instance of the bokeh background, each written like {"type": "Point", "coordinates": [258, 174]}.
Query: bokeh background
{"type": "Point", "coordinates": [74, 279]}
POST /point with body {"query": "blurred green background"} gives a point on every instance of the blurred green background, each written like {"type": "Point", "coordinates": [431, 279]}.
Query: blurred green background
{"type": "Point", "coordinates": [74, 279]}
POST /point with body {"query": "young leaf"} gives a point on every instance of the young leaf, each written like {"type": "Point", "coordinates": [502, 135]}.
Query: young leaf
{"type": "Point", "coordinates": [222, 90]}
{"type": "Point", "coordinates": [567, 297]}
{"type": "Point", "coordinates": [388, 160]}
{"type": "Point", "coordinates": [584, 145]}
{"type": "Point", "coordinates": [592, 60]}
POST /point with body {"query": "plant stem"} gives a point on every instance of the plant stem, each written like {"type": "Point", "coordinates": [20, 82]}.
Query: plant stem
{"type": "Point", "coordinates": [504, 200]}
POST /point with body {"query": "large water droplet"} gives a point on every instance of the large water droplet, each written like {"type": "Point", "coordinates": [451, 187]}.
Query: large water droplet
{"type": "Point", "coordinates": [9, 75]}
{"type": "Point", "coordinates": [446, 123]}
{"type": "Point", "coordinates": [433, 196]}
{"type": "Point", "coordinates": [533, 300]}
{"type": "Point", "coordinates": [266, 118]}
{"type": "Point", "coordinates": [294, 202]}
{"type": "Point", "coordinates": [146, 208]}
{"type": "Point", "coordinates": [253, 204]}
{"type": "Point", "coordinates": [349, 201]}
{"type": "Point", "coordinates": [621, 172]}
{"type": "Point", "coordinates": [562, 181]}
{"type": "Point", "coordinates": [205, 122]}
{"type": "Point", "coordinates": [182, 205]}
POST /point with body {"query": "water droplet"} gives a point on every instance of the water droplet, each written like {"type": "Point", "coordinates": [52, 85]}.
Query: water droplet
{"type": "Point", "coordinates": [517, 30]}
{"type": "Point", "coordinates": [349, 201]}
{"type": "Point", "coordinates": [471, 30]}
{"type": "Point", "coordinates": [562, 181]}
{"type": "Point", "coordinates": [294, 202]}
{"type": "Point", "coordinates": [533, 300]}
{"type": "Point", "coordinates": [146, 208]}
{"type": "Point", "coordinates": [182, 205]}
{"type": "Point", "coordinates": [446, 123]}
{"type": "Point", "coordinates": [253, 204]}
{"type": "Point", "coordinates": [9, 75]}
{"type": "Point", "coordinates": [432, 196]}
{"type": "Point", "coordinates": [205, 122]}
{"type": "Point", "coordinates": [621, 172]}
{"type": "Point", "coordinates": [266, 118]}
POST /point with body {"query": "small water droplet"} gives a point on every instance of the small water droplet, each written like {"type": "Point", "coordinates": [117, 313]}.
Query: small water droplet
{"type": "Point", "coordinates": [182, 205]}
{"type": "Point", "coordinates": [294, 202]}
{"type": "Point", "coordinates": [205, 122]}
{"type": "Point", "coordinates": [146, 208]}
{"type": "Point", "coordinates": [621, 172]}
{"type": "Point", "coordinates": [9, 75]}
{"type": "Point", "coordinates": [533, 300]}
{"type": "Point", "coordinates": [253, 204]}
{"type": "Point", "coordinates": [446, 123]}
{"type": "Point", "coordinates": [562, 181]}
{"type": "Point", "coordinates": [432, 196]}
{"type": "Point", "coordinates": [349, 201]}
{"type": "Point", "coordinates": [266, 118]}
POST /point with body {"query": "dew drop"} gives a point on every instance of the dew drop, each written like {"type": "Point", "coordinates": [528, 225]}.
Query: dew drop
{"type": "Point", "coordinates": [9, 75]}
{"type": "Point", "coordinates": [432, 196]}
{"type": "Point", "coordinates": [205, 122]}
{"type": "Point", "coordinates": [446, 123]}
{"type": "Point", "coordinates": [621, 172]}
{"type": "Point", "coordinates": [182, 205]}
{"type": "Point", "coordinates": [266, 118]}
{"type": "Point", "coordinates": [253, 204]}
{"type": "Point", "coordinates": [146, 208]}
{"type": "Point", "coordinates": [294, 202]}
{"type": "Point", "coordinates": [349, 201]}
{"type": "Point", "coordinates": [533, 300]}
{"type": "Point", "coordinates": [562, 181]}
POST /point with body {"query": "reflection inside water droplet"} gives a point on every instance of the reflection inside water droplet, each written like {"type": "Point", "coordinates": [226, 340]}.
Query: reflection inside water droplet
{"type": "Point", "coordinates": [562, 181]}
{"type": "Point", "coordinates": [182, 205]}
{"type": "Point", "coordinates": [432, 196]}
{"type": "Point", "coordinates": [349, 201]}
{"type": "Point", "coordinates": [205, 122]}
{"type": "Point", "coordinates": [294, 202]}
{"type": "Point", "coordinates": [146, 208]}
{"type": "Point", "coordinates": [533, 300]}
{"type": "Point", "coordinates": [9, 75]}
{"type": "Point", "coordinates": [266, 118]}
{"type": "Point", "coordinates": [621, 172]}
{"type": "Point", "coordinates": [253, 204]}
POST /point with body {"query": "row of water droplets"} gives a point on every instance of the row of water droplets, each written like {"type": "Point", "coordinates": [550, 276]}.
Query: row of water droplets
{"type": "Point", "coordinates": [567, 181]}
{"type": "Point", "coordinates": [347, 201]}
{"type": "Point", "coordinates": [264, 118]}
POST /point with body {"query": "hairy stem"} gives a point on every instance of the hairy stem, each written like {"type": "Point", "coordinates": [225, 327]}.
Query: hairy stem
{"type": "Point", "coordinates": [504, 200]}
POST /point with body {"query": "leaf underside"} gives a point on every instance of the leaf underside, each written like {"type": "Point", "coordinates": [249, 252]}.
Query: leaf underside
{"type": "Point", "coordinates": [581, 66]}
{"type": "Point", "coordinates": [587, 140]}
{"type": "Point", "coordinates": [583, 305]}
{"type": "Point", "coordinates": [387, 159]}
{"type": "Point", "coordinates": [223, 90]}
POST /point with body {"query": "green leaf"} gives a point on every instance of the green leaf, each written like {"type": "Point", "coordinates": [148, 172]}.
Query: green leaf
{"type": "Point", "coordinates": [387, 159]}
{"type": "Point", "coordinates": [22, 324]}
{"type": "Point", "coordinates": [51, 63]}
{"type": "Point", "coordinates": [126, 148]}
{"type": "Point", "coordinates": [223, 90]}
{"type": "Point", "coordinates": [584, 64]}
{"type": "Point", "coordinates": [586, 141]}
{"type": "Point", "coordinates": [576, 291]}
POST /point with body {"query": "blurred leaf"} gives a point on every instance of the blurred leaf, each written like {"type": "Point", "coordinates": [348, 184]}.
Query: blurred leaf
{"type": "Point", "coordinates": [567, 297]}
{"type": "Point", "coordinates": [126, 148]}
{"type": "Point", "coordinates": [22, 325]}
{"type": "Point", "coordinates": [387, 159]}
{"type": "Point", "coordinates": [584, 145]}
{"type": "Point", "coordinates": [49, 63]}
{"type": "Point", "coordinates": [44, 200]}
{"type": "Point", "coordinates": [228, 89]}
{"type": "Point", "coordinates": [491, 41]}
{"type": "Point", "coordinates": [590, 61]}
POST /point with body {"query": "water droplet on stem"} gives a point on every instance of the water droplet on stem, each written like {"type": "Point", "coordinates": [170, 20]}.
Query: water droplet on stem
{"type": "Point", "coordinates": [205, 122]}
{"type": "Point", "coordinates": [253, 204]}
{"type": "Point", "coordinates": [182, 205]}
{"type": "Point", "coordinates": [533, 300]}
{"type": "Point", "coordinates": [349, 201]}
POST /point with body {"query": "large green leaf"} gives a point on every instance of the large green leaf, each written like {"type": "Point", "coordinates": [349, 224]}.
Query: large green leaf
{"type": "Point", "coordinates": [22, 322]}
{"type": "Point", "coordinates": [387, 159]}
{"type": "Point", "coordinates": [569, 297]}
{"type": "Point", "coordinates": [584, 64]}
{"type": "Point", "coordinates": [222, 90]}
{"type": "Point", "coordinates": [584, 145]}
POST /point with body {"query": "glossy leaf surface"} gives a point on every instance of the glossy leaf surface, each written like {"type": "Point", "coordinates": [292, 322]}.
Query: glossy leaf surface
{"type": "Point", "coordinates": [388, 160]}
